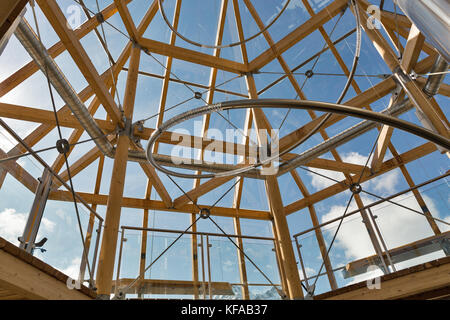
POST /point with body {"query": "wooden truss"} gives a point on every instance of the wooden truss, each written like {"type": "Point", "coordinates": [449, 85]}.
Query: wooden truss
{"type": "Point", "coordinates": [101, 88]}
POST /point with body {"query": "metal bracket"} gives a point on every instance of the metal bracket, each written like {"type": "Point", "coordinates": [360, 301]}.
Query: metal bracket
{"type": "Point", "coordinates": [205, 213]}
{"type": "Point", "coordinates": [250, 73]}
{"type": "Point", "coordinates": [100, 17]}
{"type": "Point", "coordinates": [139, 127]}
{"type": "Point", "coordinates": [127, 129]}
{"type": "Point", "coordinates": [401, 76]}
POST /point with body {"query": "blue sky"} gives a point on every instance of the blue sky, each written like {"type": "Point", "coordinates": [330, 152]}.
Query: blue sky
{"type": "Point", "coordinates": [199, 22]}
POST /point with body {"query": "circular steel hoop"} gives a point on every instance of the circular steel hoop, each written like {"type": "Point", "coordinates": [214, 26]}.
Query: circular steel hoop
{"type": "Point", "coordinates": [281, 104]}
{"type": "Point", "coordinates": [219, 46]}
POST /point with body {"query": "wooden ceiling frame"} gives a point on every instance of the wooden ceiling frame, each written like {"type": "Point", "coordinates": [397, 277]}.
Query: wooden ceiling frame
{"type": "Point", "coordinates": [101, 88]}
{"type": "Point", "coordinates": [362, 99]}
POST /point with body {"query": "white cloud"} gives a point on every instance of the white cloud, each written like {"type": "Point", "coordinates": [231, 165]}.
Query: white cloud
{"type": "Point", "coordinates": [385, 184]}
{"type": "Point", "coordinates": [309, 272]}
{"type": "Point", "coordinates": [73, 269]}
{"type": "Point", "coordinates": [12, 224]}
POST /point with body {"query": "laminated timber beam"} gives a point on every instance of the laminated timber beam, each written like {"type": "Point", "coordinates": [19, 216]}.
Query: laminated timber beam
{"type": "Point", "coordinates": [30, 278]}
{"type": "Point", "coordinates": [176, 287]}
{"type": "Point", "coordinates": [192, 56]}
{"type": "Point", "coordinates": [411, 54]}
{"type": "Point", "coordinates": [402, 284]}
{"type": "Point", "coordinates": [102, 199]}
{"type": "Point", "coordinates": [59, 23]}
{"type": "Point", "coordinates": [410, 86]}
{"type": "Point", "coordinates": [9, 11]}
{"type": "Point", "coordinates": [127, 19]}
{"type": "Point", "coordinates": [275, 202]}
{"type": "Point", "coordinates": [31, 68]}
{"type": "Point", "coordinates": [114, 206]}
{"type": "Point", "coordinates": [18, 172]}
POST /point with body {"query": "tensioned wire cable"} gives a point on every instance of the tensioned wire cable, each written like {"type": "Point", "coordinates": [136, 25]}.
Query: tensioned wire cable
{"type": "Point", "coordinates": [51, 148]}
{"type": "Point", "coordinates": [189, 99]}
{"type": "Point", "coordinates": [111, 61]}
{"type": "Point", "coordinates": [175, 76]}
{"type": "Point", "coordinates": [187, 229]}
{"type": "Point", "coordinates": [146, 51]}
{"type": "Point", "coordinates": [372, 194]}
{"type": "Point", "coordinates": [91, 282]}
{"type": "Point", "coordinates": [171, 27]}
{"type": "Point", "coordinates": [381, 76]}
{"type": "Point", "coordinates": [314, 65]}
{"type": "Point", "coordinates": [102, 42]}
{"type": "Point", "coordinates": [397, 30]}
{"type": "Point", "coordinates": [341, 220]}
{"type": "Point", "coordinates": [349, 79]}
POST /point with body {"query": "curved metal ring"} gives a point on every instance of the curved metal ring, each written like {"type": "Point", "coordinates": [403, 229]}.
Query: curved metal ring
{"type": "Point", "coordinates": [220, 46]}
{"type": "Point", "coordinates": [279, 104]}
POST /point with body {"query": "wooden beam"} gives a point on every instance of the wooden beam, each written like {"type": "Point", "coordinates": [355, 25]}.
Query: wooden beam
{"type": "Point", "coordinates": [102, 199]}
{"type": "Point", "coordinates": [19, 173]}
{"type": "Point", "coordinates": [425, 277]}
{"type": "Point", "coordinates": [194, 250]}
{"type": "Point", "coordinates": [57, 19]}
{"type": "Point", "coordinates": [156, 182]}
{"type": "Point", "coordinates": [9, 11]}
{"type": "Point", "coordinates": [202, 189]}
{"type": "Point", "coordinates": [31, 278]}
{"type": "Point", "coordinates": [284, 238]}
{"type": "Point", "coordinates": [127, 19]}
{"type": "Point", "coordinates": [192, 56]}
{"type": "Point", "coordinates": [54, 51]}
{"type": "Point", "coordinates": [175, 287]}
{"type": "Point", "coordinates": [412, 49]}
{"type": "Point", "coordinates": [114, 206]}
{"type": "Point", "coordinates": [275, 202]}
{"type": "Point", "coordinates": [411, 88]}
{"type": "Point", "coordinates": [318, 232]}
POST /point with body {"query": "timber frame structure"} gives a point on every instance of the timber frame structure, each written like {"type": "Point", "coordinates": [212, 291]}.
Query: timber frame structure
{"type": "Point", "coordinates": [418, 58]}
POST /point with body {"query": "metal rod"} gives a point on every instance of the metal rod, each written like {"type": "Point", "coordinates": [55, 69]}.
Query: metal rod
{"type": "Point", "coordinates": [301, 263]}
{"type": "Point", "coordinates": [380, 236]}
{"type": "Point", "coordinates": [42, 162]}
{"type": "Point", "coordinates": [197, 233]}
{"type": "Point", "coordinates": [203, 267]}
{"type": "Point", "coordinates": [209, 267]}
{"type": "Point", "coordinates": [116, 289]}
{"type": "Point", "coordinates": [97, 242]}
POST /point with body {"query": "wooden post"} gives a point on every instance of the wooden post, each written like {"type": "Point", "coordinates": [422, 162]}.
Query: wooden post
{"type": "Point", "coordinates": [113, 209]}
{"type": "Point", "coordinates": [284, 238]}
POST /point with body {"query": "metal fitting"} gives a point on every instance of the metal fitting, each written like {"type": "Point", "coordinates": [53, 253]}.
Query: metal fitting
{"type": "Point", "coordinates": [62, 146]}
{"type": "Point", "coordinates": [355, 188]}
{"type": "Point", "coordinates": [205, 213]}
